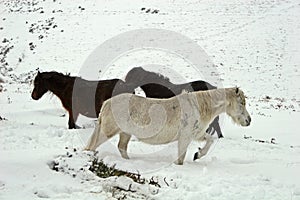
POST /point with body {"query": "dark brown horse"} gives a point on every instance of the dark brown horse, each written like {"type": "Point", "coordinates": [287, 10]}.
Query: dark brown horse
{"type": "Point", "coordinates": [78, 96]}
{"type": "Point", "coordinates": [157, 86]}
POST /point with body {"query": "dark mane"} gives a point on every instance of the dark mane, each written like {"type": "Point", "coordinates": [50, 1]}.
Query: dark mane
{"type": "Point", "coordinates": [56, 75]}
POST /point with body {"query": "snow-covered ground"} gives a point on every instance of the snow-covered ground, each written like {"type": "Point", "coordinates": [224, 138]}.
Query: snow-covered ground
{"type": "Point", "coordinates": [254, 44]}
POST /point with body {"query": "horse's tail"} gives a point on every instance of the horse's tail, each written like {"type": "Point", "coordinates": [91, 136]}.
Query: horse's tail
{"type": "Point", "coordinates": [93, 142]}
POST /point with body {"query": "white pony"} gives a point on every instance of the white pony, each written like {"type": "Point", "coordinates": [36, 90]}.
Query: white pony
{"type": "Point", "coordinates": [182, 118]}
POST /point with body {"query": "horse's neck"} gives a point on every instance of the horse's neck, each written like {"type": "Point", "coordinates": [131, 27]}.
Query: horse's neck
{"type": "Point", "coordinates": [219, 101]}
{"type": "Point", "coordinates": [219, 108]}
{"type": "Point", "coordinates": [212, 103]}
{"type": "Point", "coordinates": [57, 87]}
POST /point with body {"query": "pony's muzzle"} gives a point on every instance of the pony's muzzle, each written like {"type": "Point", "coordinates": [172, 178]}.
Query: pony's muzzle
{"type": "Point", "coordinates": [248, 121]}
{"type": "Point", "coordinates": [34, 95]}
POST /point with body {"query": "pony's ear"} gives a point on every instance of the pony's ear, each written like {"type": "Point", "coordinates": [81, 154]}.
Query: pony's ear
{"type": "Point", "coordinates": [184, 91]}
{"type": "Point", "coordinates": [236, 90]}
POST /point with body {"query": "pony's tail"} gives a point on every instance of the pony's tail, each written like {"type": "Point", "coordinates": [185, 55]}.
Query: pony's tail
{"type": "Point", "coordinates": [94, 139]}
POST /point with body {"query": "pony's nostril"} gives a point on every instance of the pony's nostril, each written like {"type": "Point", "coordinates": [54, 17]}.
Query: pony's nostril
{"type": "Point", "coordinates": [248, 120]}
{"type": "Point", "coordinates": [33, 95]}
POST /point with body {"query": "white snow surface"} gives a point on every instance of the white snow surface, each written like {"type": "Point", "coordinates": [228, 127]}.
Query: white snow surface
{"type": "Point", "coordinates": [254, 44]}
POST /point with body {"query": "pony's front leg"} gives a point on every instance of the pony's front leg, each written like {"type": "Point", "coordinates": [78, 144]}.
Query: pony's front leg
{"type": "Point", "coordinates": [123, 143]}
{"type": "Point", "coordinates": [72, 119]}
{"type": "Point", "coordinates": [183, 143]}
{"type": "Point", "coordinates": [202, 152]}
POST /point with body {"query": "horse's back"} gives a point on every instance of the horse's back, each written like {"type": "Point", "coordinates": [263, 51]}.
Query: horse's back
{"type": "Point", "coordinates": [201, 85]}
{"type": "Point", "coordinates": [155, 90]}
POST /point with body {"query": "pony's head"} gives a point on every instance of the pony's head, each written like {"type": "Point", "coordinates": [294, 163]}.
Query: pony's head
{"type": "Point", "coordinates": [236, 107]}
{"type": "Point", "coordinates": [39, 87]}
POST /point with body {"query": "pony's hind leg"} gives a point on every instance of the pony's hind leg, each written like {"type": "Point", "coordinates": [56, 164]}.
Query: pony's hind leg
{"type": "Point", "coordinates": [183, 144]}
{"type": "Point", "coordinates": [202, 152]}
{"type": "Point", "coordinates": [123, 144]}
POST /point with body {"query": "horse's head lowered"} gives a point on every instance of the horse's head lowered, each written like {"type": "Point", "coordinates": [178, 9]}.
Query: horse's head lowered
{"type": "Point", "coordinates": [140, 76]}
{"type": "Point", "coordinates": [236, 107]}
{"type": "Point", "coordinates": [39, 87]}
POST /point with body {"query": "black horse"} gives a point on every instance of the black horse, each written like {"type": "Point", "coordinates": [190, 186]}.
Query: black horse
{"type": "Point", "coordinates": [78, 96]}
{"type": "Point", "coordinates": [157, 86]}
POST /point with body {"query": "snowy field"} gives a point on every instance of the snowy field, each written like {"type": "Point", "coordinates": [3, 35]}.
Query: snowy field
{"type": "Point", "coordinates": [254, 45]}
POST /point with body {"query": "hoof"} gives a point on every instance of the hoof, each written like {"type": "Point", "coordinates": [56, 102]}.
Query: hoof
{"type": "Point", "coordinates": [125, 157]}
{"type": "Point", "coordinates": [196, 156]}
{"type": "Point", "coordinates": [88, 149]}
{"type": "Point", "coordinates": [74, 127]}
{"type": "Point", "coordinates": [178, 162]}
{"type": "Point", "coordinates": [77, 127]}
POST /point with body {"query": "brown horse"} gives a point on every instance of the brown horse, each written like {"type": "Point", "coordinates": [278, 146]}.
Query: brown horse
{"type": "Point", "coordinates": [78, 96]}
{"type": "Point", "coordinates": [158, 86]}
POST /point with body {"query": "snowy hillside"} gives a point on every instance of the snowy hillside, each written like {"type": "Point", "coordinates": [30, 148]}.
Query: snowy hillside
{"type": "Point", "coordinates": [254, 45]}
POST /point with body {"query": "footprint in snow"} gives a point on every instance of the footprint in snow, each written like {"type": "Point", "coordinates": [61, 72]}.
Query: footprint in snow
{"type": "Point", "coordinates": [2, 185]}
{"type": "Point", "coordinates": [241, 161]}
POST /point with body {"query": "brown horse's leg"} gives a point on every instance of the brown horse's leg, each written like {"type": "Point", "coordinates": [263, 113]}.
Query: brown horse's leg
{"type": "Point", "coordinates": [72, 119]}
{"type": "Point", "coordinates": [123, 144]}
{"type": "Point", "coordinates": [217, 128]}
